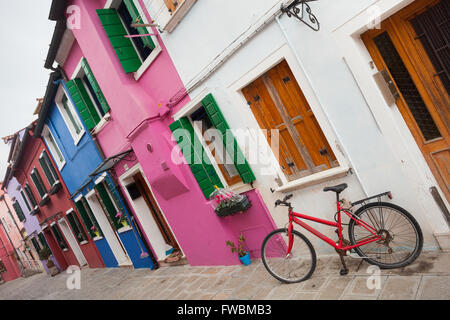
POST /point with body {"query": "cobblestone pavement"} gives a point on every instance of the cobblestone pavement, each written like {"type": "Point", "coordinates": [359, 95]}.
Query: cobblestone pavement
{"type": "Point", "coordinates": [427, 278]}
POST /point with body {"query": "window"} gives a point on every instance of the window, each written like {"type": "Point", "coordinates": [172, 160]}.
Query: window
{"type": "Point", "coordinates": [169, 13]}
{"type": "Point", "coordinates": [69, 115]}
{"type": "Point", "coordinates": [2, 267]}
{"type": "Point", "coordinates": [25, 200]}
{"type": "Point", "coordinates": [202, 123]}
{"type": "Point", "coordinates": [53, 147]}
{"type": "Point", "coordinates": [87, 216]}
{"type": "Point", "coordinates": [19, 211]}
{"type": "Point", "coordinates": [87, 96]}
{"type": "Point", "coordinates": [38, 183]}
{"type": "Point", "coordinates": [49, 170]}
{"type": "Point", "coordinates": [132, 51]}
{"type": "Point", "coordinates": [42, 240]}
{"type": "Point", "coordinates": [278, 103]}
{"type": "Point", "coordinates": [36, 245]}
{"type": "Point", "coordinates": [111, 204]}
{"type": "Point", "coordinates": [6, 225]}
{"type": "Point", "coordinates": [235, 168]}
{"type": "Point", "coordinates": [77, 229]}
{"type": "Point", "coordinates": [59, 238]}
{"type": "Point", "coordinates": [31, 198]}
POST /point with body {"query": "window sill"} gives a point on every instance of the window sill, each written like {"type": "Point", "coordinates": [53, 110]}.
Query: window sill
{"type": "Point", "coordinates": [98, 238]}
{"type": "Point", "coordinates": [106, 118]}
{"type": "Point", "coordinates": [146, 64]}
{"type": "Point", "coordinates": [179, 14]}
{"type": "Point", "coordinates": [313, 179]}
{"type": "Point", "coordinates": [76, 140]}
{"type": "Point", "coordinates": [83, 243]}
{"type": "Point", "coordinates": [124, 229]}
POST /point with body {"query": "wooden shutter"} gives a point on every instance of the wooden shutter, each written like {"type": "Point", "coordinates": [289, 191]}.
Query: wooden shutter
{"type": "Point", "coordinates": [94, 84]}
{"type": "Point", "coordinates": [219, 122]}
{"type": "Point", "coordinates": [268, 117]}
{"type": "Point", "coordinates": [85, 217]}
{"type": "Point", "coordinates": [301, 115]}
{"type": "Point", "coordinates": [172, 5]}
{"type": "Point", "coordinates": [25, 200]}
{"type": "Point", "coordinates": [116, 33]}
{"type": "Point", "coordinates": [83, 103]}
{"type": "Point", "coordinates": [195, 155]}
{"type": "Point", "coordinates": [108, 204]}
{"type": "Point", "coordinates": [19, 211]}
{"type": "Point", "coordinates": [148, 42]}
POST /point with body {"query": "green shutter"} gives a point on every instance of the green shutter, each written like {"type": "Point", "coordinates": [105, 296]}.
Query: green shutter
{"type": "Point", "coordinates": [219, 122]}
{"type": "Point", "coordinates": [148, 42]}
{"type": "Point", "coordinates": [94, 84]}
{"type": "Point", "coordinates": [116, 33]}
{"type": "Point", "coordinates": [25, 200]}
{"type": "Point", "coordinates": [193, 151]}
{"type": "Point", "coordinates": [84, 217]}
{"type": "Point", "coordinates": [38, 183]}
{"type": "Point", "coordinates": [83, 103]}
{"type": "Point", "coordinates": [30, 195]}
{"type": "Point", "coordinates": [43, 240]}
{"type": "Point", "coordinates": [46, 170]}
{"type": "Point", "coordinates": [108, 204]}
{"type": "Point", "coordinates": [19, 211]}
{"type": "Point", "coordinates": [50, 166]}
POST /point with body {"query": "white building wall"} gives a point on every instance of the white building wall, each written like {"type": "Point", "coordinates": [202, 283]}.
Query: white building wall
{"type": "Point", "coordinates": [370, 138]}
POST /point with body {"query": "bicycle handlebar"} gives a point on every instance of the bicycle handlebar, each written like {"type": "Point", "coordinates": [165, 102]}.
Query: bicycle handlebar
{"type": "Point", "coordinates": [284, 201]}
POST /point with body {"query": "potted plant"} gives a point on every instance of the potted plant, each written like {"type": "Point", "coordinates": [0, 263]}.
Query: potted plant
{"type": "Point", "coordinates": [95, 231]}
{"type": "Point", "coordinates": [122, 220]}
{"type": "Point", "coordinates": [229, 203]}
{"type": "Point", "coordinates": [45, 255]}
{"type": "Point", "coordinates": [244, 255]}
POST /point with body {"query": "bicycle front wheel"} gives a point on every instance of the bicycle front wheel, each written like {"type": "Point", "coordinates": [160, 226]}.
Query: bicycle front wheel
{"type": "Point", "coordinates": [296, 267]}
{"type": "Point", "coordinates": [402, 237]}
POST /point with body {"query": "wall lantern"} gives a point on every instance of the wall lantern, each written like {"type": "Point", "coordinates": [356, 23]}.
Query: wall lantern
{"type": "Point", "coordinates": [302, 11]}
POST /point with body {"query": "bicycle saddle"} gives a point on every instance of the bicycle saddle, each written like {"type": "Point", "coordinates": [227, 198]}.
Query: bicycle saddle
{"type": "Point", "coordinates": [338, 189]}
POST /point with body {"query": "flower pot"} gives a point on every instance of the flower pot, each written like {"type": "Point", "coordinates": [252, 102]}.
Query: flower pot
{"type": "Point", "coordinates": [237, 207]}
{"type": "Point", "coordinates": [246, 259]}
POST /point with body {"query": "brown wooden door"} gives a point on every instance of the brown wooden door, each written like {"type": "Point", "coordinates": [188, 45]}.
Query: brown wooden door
{"type": "Point", "coordinates": [154, 208]}
{"type": "Point", "coordinates": [277, 102]}
{"type": "Point", "coordinates": [412, 46]}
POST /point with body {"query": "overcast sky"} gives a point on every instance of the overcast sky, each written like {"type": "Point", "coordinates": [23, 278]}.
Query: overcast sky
{"type": "Point", "coordinates": [25, 35]}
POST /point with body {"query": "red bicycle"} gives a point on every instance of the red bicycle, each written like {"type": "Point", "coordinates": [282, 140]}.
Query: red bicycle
{"type": "Point", "coordinates": [381, 233]}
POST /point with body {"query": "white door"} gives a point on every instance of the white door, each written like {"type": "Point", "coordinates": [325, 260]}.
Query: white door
{"type": "Point", "coordinates": [108, 232]}
{"type": "Point", "coordinates": [72, 242]}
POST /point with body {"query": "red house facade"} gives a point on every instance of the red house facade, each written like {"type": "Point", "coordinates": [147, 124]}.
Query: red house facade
{"type": "Point", "coordinates": [49, 200]}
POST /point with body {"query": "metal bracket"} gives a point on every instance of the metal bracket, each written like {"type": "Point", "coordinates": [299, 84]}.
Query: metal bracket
{"type": "Point", "coordinates": [301, 10]}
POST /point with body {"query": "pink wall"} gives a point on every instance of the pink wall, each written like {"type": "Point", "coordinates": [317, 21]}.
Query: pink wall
{"type": "Point", "coordinates": [200, 233]}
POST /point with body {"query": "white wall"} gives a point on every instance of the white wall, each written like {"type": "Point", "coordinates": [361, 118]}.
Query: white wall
{"type": "Point", "coordinates": [374, 146]}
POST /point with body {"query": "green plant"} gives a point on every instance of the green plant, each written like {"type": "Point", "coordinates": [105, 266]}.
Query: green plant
{"type": "Point", "coordinates": [240, 249]}
{"type": "Point", "coordinates": [44, 253]}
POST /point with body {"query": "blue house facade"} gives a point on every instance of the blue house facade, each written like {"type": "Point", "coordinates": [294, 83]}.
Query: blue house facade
{"type": "Point", "coordinates": [97, 198]}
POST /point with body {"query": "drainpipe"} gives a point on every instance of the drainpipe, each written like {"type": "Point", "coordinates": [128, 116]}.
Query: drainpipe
{"type": "Point", "coordinates": [311, 83]}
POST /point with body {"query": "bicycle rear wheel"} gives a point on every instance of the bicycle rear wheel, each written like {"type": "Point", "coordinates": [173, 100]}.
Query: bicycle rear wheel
{"type": "Point", "coordinates": [403, 239]}
{"type": "Point", "coordinates": [298, 266]}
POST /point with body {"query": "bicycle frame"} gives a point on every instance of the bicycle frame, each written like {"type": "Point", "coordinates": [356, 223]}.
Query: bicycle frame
{"type": "Point", "coordinates": [293, 217]}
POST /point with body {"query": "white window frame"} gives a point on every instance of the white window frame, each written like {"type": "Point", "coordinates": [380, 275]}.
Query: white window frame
{"type": "Point", "coordinates": [25, 199]}
{"type": "Point", "coordinates": [45, 133]}
{"type": "Point", "coordinates": [160, 13]}
{"type": "Point", "coordinates": [113, 4]}
{"type": "Point", "coordinates": [79, 73]}
{"type": "Point", "coordinates": [6, 225]}
{"type": "Point", "coordinates": [234, 90]}
{"type": "Point", "coordinates": [60, 93]}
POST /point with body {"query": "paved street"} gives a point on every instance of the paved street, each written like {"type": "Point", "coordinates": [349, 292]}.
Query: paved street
{"type": "Point", "coordinates": [427, 278]}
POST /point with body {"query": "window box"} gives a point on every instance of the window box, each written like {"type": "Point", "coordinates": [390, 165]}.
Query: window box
{"type": "Point", "coordinates": [235, 208]}
{"type": "Point", "coordinates": [56, 187]}
{"type": "Point", "coordinates": [35, 211]}
{"type": "Point", "coordinates": [45, 200]}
